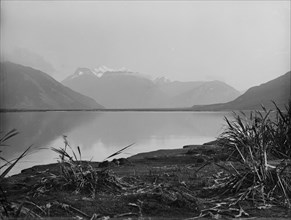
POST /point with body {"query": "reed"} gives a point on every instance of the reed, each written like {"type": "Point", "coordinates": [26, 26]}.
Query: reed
{"type": "Point", "coordinates": [9, 209]}
{"type": "Point", "coordinates": [260, 141]}
{"type": "Point", "coordinates": [81, 176]}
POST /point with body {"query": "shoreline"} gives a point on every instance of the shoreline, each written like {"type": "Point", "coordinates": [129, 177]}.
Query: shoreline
{"type": "Point", "coordinates": [115, 110]}
{"type": "Point", "coordinates": [160, 184]}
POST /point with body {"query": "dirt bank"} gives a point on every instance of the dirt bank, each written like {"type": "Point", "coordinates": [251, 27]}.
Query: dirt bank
{"type": "Point", "coordinates": [163, 183]}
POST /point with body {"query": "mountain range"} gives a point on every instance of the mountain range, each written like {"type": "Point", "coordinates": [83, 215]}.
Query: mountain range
{"type": "Point", "coordinates": [126, 89]}
{"type": "Point", "coordinates": [277, 90]}
{"type": "Point", "coordinates": [23, 87]}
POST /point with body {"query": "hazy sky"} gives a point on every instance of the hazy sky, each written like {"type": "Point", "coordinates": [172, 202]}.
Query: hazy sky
{"type": "Point", "coordinates": [243, 43]}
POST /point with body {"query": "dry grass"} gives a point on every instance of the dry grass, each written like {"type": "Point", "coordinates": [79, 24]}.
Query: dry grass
{"type": "Point", "coordinates": [260, 143]}
{"type": "Point", "coordinates": [80, 176]}
{"type": "Point", "coordinates": [8, 208]}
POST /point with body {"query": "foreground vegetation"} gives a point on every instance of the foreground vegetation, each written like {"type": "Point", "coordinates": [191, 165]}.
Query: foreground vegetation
{"type": "Point", "coordinates": [245, 172]}
{"type": "Point", "coordinates": [260, 144]}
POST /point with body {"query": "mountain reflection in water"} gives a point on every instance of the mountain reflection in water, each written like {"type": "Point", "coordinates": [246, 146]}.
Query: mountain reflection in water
{"type": "Point", "coordinates": [100, 134]}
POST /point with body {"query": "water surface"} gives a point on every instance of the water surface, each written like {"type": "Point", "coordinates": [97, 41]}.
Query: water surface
{"type": "Point", "coordinates": [100, 134]}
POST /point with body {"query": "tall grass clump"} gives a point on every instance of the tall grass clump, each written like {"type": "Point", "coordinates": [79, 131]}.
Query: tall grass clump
{"type": "Point", "coordinates": [260, 141]}
{"type": "Point", "coordinates": [7, 165]}
{"type": "Point", "coordinates": [9, 208]}
{"type": "Point", "coordinates": [280, 132]}
{"type": "Point", "coordinates": [81, 176]}
{"type": "Point", "coordinates": [266, 133]}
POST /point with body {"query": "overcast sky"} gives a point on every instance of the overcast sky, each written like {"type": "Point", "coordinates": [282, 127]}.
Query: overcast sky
{"type": "Point", "coordinates": [243, 43]}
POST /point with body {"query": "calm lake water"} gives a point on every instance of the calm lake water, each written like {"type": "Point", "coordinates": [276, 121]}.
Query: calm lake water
{"type": "Point", "coordinates": [101, 134]}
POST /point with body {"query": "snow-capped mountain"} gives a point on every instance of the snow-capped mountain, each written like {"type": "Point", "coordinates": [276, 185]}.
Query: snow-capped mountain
{"type": "Point", "coordinates": [99, 72]}
{"type": "Point", "coordinates": [161, 80]}
{"type": "Point", "coordinates": [81, 71]}
{"type": "Point", "coordinates": [122, 88]}
{"type": "Point", "coordinates": [103, 69]}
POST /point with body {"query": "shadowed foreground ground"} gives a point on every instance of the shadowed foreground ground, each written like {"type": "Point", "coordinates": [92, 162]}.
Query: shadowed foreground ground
{"type": "Point", "coordinates": [162, 184]}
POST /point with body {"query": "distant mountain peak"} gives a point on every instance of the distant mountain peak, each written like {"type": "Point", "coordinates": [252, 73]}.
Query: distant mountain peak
{"type": "Point", "coordinates": [81, 71]}
{"type": "Point", "coordinates": [122, 88]}
{"type": "Point", "coordinates": [104, 69]}
{"type": "Point", "coordinates": [277, 90]}
{"type": "Point", "coordinates": [161, 80]}
{"type": "Point", "coordinates": [99, 71]}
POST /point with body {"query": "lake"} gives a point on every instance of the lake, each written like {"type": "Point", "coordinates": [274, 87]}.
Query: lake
{"type": "Point", "coordinates": [100, 134]}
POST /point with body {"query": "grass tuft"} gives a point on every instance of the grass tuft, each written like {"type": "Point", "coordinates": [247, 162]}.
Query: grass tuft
{"type": "Point", "coordinates": [8, 208]}
{"type": "Point", "coordinates": [80, 176]}
{"type": "Point", "coordinates": [261, 144]}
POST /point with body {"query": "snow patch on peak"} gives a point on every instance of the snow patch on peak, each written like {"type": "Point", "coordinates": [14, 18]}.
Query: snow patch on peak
{"type": "Point", "coordinates": [162, 80]}
{"type": "Point", "coordinates": [104, 69]}
{"type": "Point", "coordinates": [101, 70]}
{"type": "Point", "coordinates": [81, 71]}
